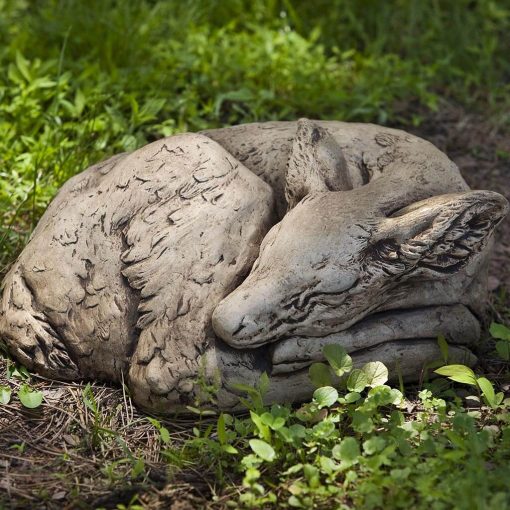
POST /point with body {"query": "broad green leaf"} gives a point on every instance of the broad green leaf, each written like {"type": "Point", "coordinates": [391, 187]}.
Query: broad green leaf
{"type": "Point", "coordinates": [351, 397]}
{"type": "Point", "coordinates": [503, 349]}
{"type": "Point", "coordinates": [328, 465]}
{"type": "Point", "coordinates": [357, 381]}
{"type": "Point", "coordinates": [373, 445]}
{"type": "Point", "coordinates": [348, 449]}
{"type": "Point", "coordinates": [361, 422]}
{"type": "Point", "coordinates": [487, 390]}
{"type": "Point", "coordinates": [325, 396]}
{"type": "Point", "coordinates": [337, 357]}
{"type": "Point", "coordinates": [267, 419]}
{"type": "Point", "coordinates": [443, 347]}
{"type": "Point", "coordinates": [295, 502]}
{"type": "Point", "coordinates": [320, 375]}
{"type": "Point", "coordinates": [278, 423]}
{"type": "Point", "coordinates": [5, 394]}
{"type": "Point", "coordinates": [458, 373]}
{"type": "Point", "coordinates": [297, 431]}
{"type": "Point", "coordinates": [264, 450]}
{"type": "Point", "coordinates": [499, 331]}
{"type": "Point", "coordinates": [376, 372]}
{"type": "Point", "coordinates": [29, 398]}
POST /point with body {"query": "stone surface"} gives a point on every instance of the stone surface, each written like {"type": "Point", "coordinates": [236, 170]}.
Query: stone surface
{"type": "Point", "coordinates": [210, 258]}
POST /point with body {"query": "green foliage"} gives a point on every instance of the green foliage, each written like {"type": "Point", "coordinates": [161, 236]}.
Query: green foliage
{"type": "Point", "coordinates": [463, 374]}
{"type": "Point", "coordinates": [502, 334]}
{"type": "Point", "coordinates": [361, 449]}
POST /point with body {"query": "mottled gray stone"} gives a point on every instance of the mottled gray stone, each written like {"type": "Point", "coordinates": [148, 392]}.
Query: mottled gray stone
{"type": "Point", "coordinates": [220, 255]}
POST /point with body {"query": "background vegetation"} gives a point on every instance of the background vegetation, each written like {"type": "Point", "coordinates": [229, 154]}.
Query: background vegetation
{"type": "Point", "coordinates": [80, 80]}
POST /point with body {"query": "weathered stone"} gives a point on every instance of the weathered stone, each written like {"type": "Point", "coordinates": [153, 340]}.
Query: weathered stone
{"type": "Point", "coordinates": [224, 254]}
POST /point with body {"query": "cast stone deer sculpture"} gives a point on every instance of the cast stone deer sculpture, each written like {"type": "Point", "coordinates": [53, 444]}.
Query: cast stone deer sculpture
{"type": "Point", "coordinates": [247, 249]}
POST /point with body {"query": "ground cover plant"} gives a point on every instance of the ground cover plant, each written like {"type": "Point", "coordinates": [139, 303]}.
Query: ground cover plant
{"type": "Point", "coordinates": [80, 81]}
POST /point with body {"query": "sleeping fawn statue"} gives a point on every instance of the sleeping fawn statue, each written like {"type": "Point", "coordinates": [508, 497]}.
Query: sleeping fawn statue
{"type": "Point", "coordinates": [221, 255]}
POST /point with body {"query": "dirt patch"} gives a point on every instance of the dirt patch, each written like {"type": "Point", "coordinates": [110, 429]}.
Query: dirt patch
{"type": "Point", "coordinates": [88, 447]}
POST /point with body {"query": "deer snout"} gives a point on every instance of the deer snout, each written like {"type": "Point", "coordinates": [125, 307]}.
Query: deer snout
{"type": "Point", "coordinates": [242, 317]}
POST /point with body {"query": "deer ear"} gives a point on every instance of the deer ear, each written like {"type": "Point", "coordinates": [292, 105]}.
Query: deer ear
{"type": "Point", "coordinates": [316, 163]}
{"type": "Point", "coordinates": [442, 233]}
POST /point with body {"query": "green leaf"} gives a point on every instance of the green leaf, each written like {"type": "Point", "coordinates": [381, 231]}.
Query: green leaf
{"type": "Point", "coordinates": [138, 468]}
{"type": "Point", "coordinates": [297, 431]}
{"type": "Point", "coordinates": [28, 397]}
{"type": "Point", "coordinates": [376, 372]}
{"type": "Point", "coordinates": [220, 426]}
{"type": "Point", "coordinates": [320, 375]}
{"type": "Point", "coordinates": [443, 347]}
{"type": "Point", "coordinates": [264, 450]}
{"type": "Point", "coordinates": [19, 372]}
{"type": "Point", "coordinates": [348, 449]}
{"type": "Point", "coordinates": [337, 357]}
{"type": "Point", "coordinates": [503, 349]}
{"type": "Point", "coordinates": [499, 331]}
{"type": "Point", "coordinates": [262, 428]}
{"type": "Point", "coordinates": [263, 385]}
{"type": "Point", "coordinates": [458, 373]}
{"type": "Point", "coordinates": [228, 448]}
{"type": "Point", "coordinates": [373, 445]}
{"type": "Point", "coordinates": [5, 394]}
{"type": "Point", "coordinates": [487, 390]}
{"type": "Point", "coordinates": [352, 397]}
{"type": "Point", "coordinates": [357, 381]}
{"type": "Point", "coordinates": [164, 434]}
{"type": "Point", "coordinates": [361, 422]}
{"type": "Point", "coordinates": [23, 66]}
{"type": "Point", "coordinates": [325, 396]}
{"type": "Point", "coordinates": [278, 423]}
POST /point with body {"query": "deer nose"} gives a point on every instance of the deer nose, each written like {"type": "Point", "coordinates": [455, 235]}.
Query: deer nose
{"type": "Point", "coordinates": [235, 328]}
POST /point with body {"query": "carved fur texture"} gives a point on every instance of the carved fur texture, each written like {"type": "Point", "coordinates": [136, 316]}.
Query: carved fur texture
{"type": "Point", "coordinates": [216, 256]}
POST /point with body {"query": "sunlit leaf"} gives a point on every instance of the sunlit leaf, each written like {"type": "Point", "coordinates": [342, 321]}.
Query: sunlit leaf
{"type": "Point", "coordinates": [376, 372]}
{"type": "Point", "coordinates": [357, 381]}
{"type": "Point", "coordinates": [337, 357]}
{"type": "Point", "coordinates": [5, 394]}
{"type": "Point", "coordinates": [487, 390]}
{"type": "Point", "coordinates": [458, 373]}
{"type": "Point", "coordinates": [30, 398]}
{"type": "Point", "coordinates": [264, 450]}
{"type": "Point", "coordinates": [325, 396]}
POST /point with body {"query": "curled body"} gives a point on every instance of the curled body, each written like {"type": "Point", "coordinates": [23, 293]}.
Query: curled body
{"type": "Point", "coordinates": [224, 254]}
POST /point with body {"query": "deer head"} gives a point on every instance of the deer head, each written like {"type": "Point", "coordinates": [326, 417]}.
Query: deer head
{"type": "Point", "coordinates": [338, 255]}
